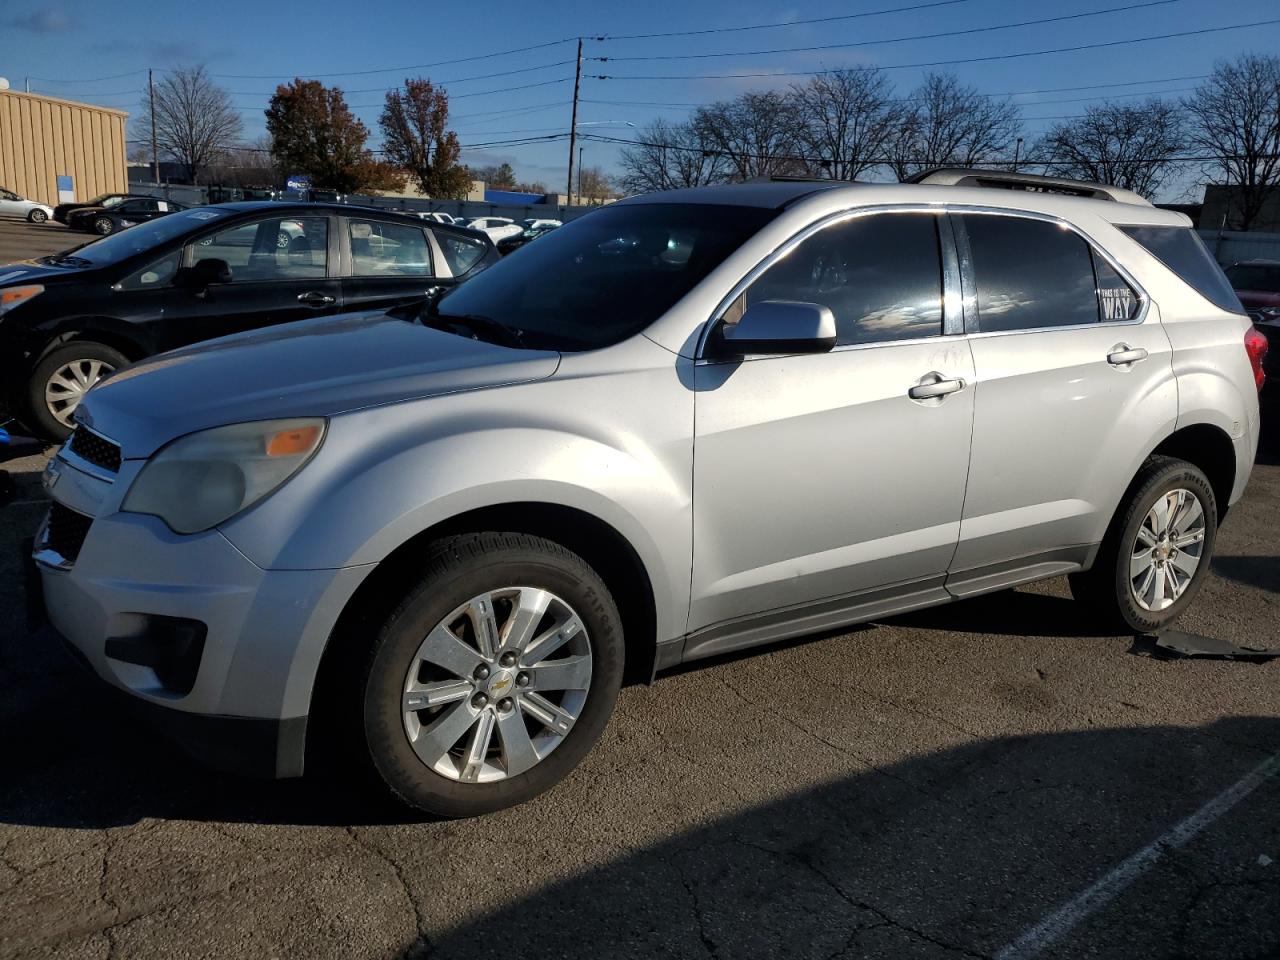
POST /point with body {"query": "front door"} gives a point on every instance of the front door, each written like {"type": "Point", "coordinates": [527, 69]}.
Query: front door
{"type": "Point", "coordinates": [390, 263]}
{"type": "Point", "coordinates": [280, 272]}
{"type": "Point", "coordinates": [821, 484]}
{"type": "Point", "coordinates": [1074, 378]}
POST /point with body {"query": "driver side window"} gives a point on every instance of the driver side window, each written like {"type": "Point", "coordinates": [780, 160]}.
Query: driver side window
{"type": "Point", "coordinates": [880, 275]}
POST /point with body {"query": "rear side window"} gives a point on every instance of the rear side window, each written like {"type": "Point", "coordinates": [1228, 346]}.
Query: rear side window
{"type": "Point", "coordinates": [1031, 274]}
{"type": "Point", "coordinates": [880, 275]}
{"type": "Point", "coordinates": [388, 250]}
{"type": "Point", "coordinates": [1181, 250]}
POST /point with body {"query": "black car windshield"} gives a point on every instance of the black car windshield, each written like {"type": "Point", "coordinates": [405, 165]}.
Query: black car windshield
{"type": "Point", "coordinates": [607, 275]}
{"type": "Point", "coordinates": [145, 236]}
{"type": "Point", "coordinates": [1262, 277]}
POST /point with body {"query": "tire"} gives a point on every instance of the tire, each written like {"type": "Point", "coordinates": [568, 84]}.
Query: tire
{"type": "Point", "coordinates": [282, 240]}
{"type": "Point", "coordinates": [37, 216]}
{"type": "Point", "coordinates": [81, 362]}
{"type": "Point", "coordinates": [1146, 584]}
{"type": "Point", "coordinates": [104, 226]}
{"type": "Point", "coordinates": [507, 570]}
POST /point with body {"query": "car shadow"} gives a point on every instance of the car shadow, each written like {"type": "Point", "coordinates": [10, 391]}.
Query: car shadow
{"type": "Point", "coordinates": [1260, 572]}
{"type": "Point", "coordinates": [1010, 612]}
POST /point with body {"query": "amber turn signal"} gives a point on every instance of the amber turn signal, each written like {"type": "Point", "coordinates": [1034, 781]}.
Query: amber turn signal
{"type": "Point", "coordinates": [292, 443]}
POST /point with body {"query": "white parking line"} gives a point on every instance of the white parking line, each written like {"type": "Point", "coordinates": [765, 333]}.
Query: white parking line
{"type": "Point", "coordinates": [1063, 920]}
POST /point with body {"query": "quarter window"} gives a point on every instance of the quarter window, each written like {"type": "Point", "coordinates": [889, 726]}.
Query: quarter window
{"type": "Point", "coordinates": [1116, 299]}
{"type": "Point", "coordinates": [461, 253]}
{"type": "Point", "coordinates": [388, 250]}
{"type": "Point", "coordinates": [880, 275]}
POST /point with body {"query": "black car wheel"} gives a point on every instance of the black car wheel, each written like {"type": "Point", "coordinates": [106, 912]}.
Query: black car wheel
{"type": "Point", "coordinates": [61, 380]}
{"type": "Point", "coordinates": [37, 216]}
{"type": "Point", "coordinates": [103, 226]}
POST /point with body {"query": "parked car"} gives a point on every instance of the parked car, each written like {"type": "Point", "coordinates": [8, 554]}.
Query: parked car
{"type": "Point", "coordinates": [63, 210]}
{"type": "Point", "coordinates": [1257, 284]}
{"type": "Point", "coordinates": [783, 407]}
{"type": "Point", "coordinates": [69, 319]}
{"type": "Point", "coordinates": [507, 244]}
{"type": "Point", "coordinates": [495, 227]}
{"type": "Point", "coordinates": [532, 222]}
{"type": "Point", "coordinates": [440, 217]}
{"type": "Point", "coordinates": [118, 216]}
{"type": "Point", "coordinates": [13, 205]}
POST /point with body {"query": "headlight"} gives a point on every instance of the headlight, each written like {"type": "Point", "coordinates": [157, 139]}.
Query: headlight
{"type": "Point", "coordinates": [11, 297]}
{"type": "Point", "coordinates": [204, 478]}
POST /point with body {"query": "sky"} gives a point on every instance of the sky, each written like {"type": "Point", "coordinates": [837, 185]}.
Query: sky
{"type": "Point", "coordinates": [99, 52]}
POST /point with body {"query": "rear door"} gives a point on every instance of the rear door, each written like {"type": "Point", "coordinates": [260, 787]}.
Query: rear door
{"type": "Point", "coordinates": [1074, 379]}
{"type": "Point", "coordinates": [387, 263]}
{"type": "Point", "coordinates": [281, 270]}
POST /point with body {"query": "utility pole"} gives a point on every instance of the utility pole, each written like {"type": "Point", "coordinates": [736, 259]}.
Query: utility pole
{"type": "Point", "coordinates": [1017, 149]}
{"type": "Point", "coordinates": [579, 174]}
{"type": "Point", "coordinates": [573, 129]}
{"type": "Point", "coordinates": [151, 100]}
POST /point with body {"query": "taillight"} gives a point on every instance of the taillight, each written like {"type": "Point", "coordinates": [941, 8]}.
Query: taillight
{"type": "Point", "coordinates": [1255, 345]}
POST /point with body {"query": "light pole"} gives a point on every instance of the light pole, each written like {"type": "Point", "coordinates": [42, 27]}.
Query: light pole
{"type": "Point", "coordinates": [1017, 149]}
{"type": "Point", "coordinates": [591, 123]}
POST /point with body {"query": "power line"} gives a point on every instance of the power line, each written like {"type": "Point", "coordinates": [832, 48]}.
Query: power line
{"type": "Point", "coordinates": [480, 76]}
{"type": "Point", "coordinates": [947, 63]}
{"type": "Point", "coordinates": [875, 43]}
{"type": "Point", "coordinates": [117, 76]}
{"type": "Point", "coordinates": [771, 26]}
{"type": "Point", "coordinates": [412, 66]}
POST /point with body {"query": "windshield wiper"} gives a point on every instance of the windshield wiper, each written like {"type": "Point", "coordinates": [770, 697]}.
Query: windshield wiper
{"type": "Point", "coordinates": [480, 327]}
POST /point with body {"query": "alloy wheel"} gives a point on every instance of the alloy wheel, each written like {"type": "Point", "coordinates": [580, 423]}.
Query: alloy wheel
{"type": "Point", "coordinates": [68, 385]}
{"type": "Point", "coordinates": [1167, 550]}
{"type": "Point", "coordinates": [103, 225]}
{"type": "Point", "coordinates": [497, 685]}
{"type": "Point", "coordinates": [38, 216]}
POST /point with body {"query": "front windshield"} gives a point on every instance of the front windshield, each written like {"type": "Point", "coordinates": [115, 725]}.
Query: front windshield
{"type": "Point", "coordinates": [1263, 278]}
{"type": "Point", "coordinates": [109, 201]}
{"type": "Point", "coordinates": [607, 275]}
{"type": "Point", "coordinates": [145, 236]}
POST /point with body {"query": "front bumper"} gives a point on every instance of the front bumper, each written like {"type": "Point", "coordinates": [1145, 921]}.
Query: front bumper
{"type": "Point", "coordinates": [245, 700]}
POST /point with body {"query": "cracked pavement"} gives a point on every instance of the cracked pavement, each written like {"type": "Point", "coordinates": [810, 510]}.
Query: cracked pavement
{"type": "Point", "coordinates": [926, 787]}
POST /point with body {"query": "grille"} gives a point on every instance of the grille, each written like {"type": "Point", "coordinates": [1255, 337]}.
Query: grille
{"type": "Point", "coordinates": [66, 531]}
{"type": "Point", "coordinates": [94, 449]}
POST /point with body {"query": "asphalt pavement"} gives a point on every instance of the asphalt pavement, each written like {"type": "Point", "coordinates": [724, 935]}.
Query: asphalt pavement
{"type": "Point", "coordinates": [996, 778]}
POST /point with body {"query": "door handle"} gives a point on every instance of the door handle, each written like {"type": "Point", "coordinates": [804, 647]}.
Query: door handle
{"type": "Point", "coordinates": [1122, 355]}
{"type": "Point", "coordinates": [937, 387]}
{"type": "Point", "coordinates": [314, 298]}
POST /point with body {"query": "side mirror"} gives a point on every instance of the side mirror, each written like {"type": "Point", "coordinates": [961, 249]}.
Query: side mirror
{"type": "Point", "coordinates": [778, 326]}
{"type": "Point", "coordinates": [205, 273]}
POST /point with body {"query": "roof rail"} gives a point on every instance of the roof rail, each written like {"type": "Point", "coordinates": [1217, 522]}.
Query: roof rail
{"type": "Point", "coordinates": [1004, 180]}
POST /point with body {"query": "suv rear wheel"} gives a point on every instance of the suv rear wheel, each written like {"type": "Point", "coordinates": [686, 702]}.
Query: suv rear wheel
{"type": "Point", "coordinates": [1156, 554]}
{"type": "Point", "coordinates": [494, 677]}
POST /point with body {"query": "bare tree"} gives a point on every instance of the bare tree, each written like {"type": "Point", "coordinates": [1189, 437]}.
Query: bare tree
{"type": "Point", "coordinates": [756, 132]}
{"type": "Point", "coordinates": [195, 120]}
{"type": "Point", "coordinates": [950, 124]}
{"type": "Point", "coordinates": [847, 120]}
{"type": "Point", "coordinates": [1129, 145]}
{"type": "Point", "coordinates": [595, 186]}
{"type": "Point", "coordinates": [667, 156]}
{"type": "Point", "coordinates": [1235, 117]}
{"type": "Point", "coordinates": [415, 137]}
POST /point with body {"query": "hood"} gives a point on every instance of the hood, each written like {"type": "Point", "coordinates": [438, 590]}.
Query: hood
{"type": "Point", "coordinates": [86, 210]}
{"type": "Point", "coordinates": [32, 271]}
{"type": "Point", "coordinates": [312, 368]}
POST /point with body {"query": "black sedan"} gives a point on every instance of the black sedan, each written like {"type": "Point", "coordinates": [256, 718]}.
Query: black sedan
{"type": "Point", "coordinates": [69, 319]}
{"type": "Point", "coordinates": [126, 213]}
{"type": "Point", "coordinates": [64, 210]}
{"type": "Point", "coordinates": [508, 244]}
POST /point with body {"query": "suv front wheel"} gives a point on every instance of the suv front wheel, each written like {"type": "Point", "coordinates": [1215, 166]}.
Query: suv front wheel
{"type": "Point", "coordinates": [494, 677]}
{"type": "Point", "coordinates": [1156, 554]}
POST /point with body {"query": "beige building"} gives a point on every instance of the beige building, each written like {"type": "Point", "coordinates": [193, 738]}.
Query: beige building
{"type": "Point", "coordinates": [55, 150]}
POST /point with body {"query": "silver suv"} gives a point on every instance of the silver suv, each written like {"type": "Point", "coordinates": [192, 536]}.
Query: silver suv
{"type": "Point", "coordinates": [683, 424]}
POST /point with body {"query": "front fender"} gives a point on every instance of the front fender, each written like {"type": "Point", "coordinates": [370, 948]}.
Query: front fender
{"type": "Point", "coordinates": [385, 475]}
